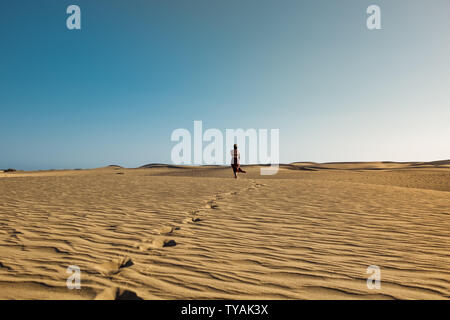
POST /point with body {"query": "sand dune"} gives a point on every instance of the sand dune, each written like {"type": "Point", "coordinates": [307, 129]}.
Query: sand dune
{"type": "Point", "coordinates": [173, 232]}
{"type": "Point", "coordinates": [374, 165]}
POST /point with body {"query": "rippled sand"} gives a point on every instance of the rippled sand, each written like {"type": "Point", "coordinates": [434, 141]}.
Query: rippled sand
{"type": "Point", "coordinates": [309, 232]}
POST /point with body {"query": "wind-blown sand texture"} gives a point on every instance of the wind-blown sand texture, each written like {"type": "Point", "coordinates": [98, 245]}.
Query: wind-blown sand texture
{"type": "Point", "coordinates": [164, 232]}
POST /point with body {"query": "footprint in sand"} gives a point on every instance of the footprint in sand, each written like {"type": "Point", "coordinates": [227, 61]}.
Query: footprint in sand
{"type": "Point", "coordinates": [166, 230]}
{"type": "Point", "coordinates": [5, 267]}
{"type": "Point", "coordinates": [116, 293]}
{"type": "Point", "coordinates": [114, 266]}
{"type": "Point", "coordinates": [195, 212]}
{"type": "Point", "coordinates": [211, 204]}
{"type": "Point", "coordinates": [156, 244]}
{"type": "Point", "coordinates": [220, 197]}
{"type": "Point", "coordinates": [191, 220]}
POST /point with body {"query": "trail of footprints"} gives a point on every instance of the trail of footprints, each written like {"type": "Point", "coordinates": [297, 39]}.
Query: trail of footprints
{"type": "Point", "coordinates": [162, 239]}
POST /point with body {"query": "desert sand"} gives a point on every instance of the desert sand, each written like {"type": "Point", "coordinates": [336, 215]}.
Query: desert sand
{"type": "Point", "coordinates": [167, 232]}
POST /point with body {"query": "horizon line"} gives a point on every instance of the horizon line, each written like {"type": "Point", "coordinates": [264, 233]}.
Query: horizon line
{"type": "Point", "coordinates": [434, 162]}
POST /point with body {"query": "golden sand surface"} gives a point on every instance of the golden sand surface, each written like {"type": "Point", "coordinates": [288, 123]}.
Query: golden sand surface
{"type": "Point", "coordinates": [167, 232]}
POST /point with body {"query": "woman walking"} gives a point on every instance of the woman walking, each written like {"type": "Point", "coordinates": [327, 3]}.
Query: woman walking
{"type": "Point", "coordinates": [235, 158]}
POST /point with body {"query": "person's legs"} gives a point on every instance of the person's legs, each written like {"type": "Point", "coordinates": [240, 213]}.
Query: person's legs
{"type": "Point", "coordinates": [234, 171]}
{"type": "Point", "coordinates": [240, 170]}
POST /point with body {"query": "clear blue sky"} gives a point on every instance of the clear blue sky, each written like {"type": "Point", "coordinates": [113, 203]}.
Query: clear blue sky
{"type": "Point", "coordinates": [113, 92]}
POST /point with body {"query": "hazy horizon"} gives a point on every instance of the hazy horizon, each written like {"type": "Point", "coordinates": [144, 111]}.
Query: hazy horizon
{"type": "Point", "coordinates": [218, 165]}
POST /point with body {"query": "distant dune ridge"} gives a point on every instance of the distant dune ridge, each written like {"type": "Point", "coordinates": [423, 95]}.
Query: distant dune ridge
{"type": "Point", "coordinates": [374, 165]}
{"type": "Point", "coordinates": [377, 165]}
{"type": "Point", "coordinates": [180, 232]}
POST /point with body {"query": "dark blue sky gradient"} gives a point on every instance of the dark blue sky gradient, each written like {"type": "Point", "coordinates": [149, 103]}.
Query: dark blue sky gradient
{"type": "Point", "coordinates": [112, 92]}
